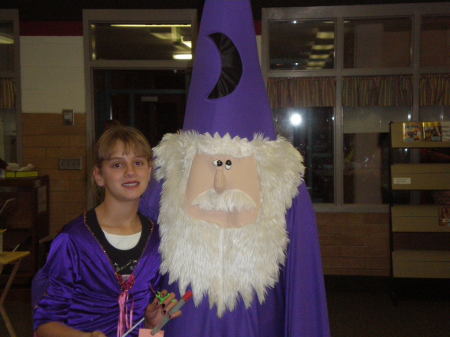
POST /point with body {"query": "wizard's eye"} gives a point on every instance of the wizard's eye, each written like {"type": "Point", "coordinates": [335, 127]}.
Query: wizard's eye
{"type": "Point", "coordinates": [218, 163]}
{"type": "Point", "coordinates": [228, 164]}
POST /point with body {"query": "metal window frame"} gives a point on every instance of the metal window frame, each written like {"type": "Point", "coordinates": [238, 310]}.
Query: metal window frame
{"type": "Point", "coordinates": [129, 16]}
{"type": "Point", "coordinates": [338, 14]}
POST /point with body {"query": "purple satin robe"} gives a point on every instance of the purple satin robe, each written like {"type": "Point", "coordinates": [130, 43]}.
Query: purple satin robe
{"type": "Point", "coordinates": [78, 285]}
{"type": "Point", "coordinates": [295, 307]}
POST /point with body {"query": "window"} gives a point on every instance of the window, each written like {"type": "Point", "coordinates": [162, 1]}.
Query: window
{"type": "Point", "coordinates": [310, 130]}
{"type": "Point", "coordinates": [377, 43]}
{"type": "Point", "coordinates": [313, 47]}
{"type": "Point", "coordinates": [7, 45]}
{"type": "Point", "coordinates": [303, 111]}
{"type": "Point", "coordinates": [386, 63]}
{"type": "Point", "coordinates": [435, 41]}
{"type": "Point", "coordinates": [9, 76]}
{"type": "Point", "coordinates": [137, 63]}
{"type": "Point", "coordinates": [369, 104]}
{"type": "Point", "coordinates": [366, 144]}
{"type": "Point", "coordinates": [151, 100]}
{"type": "Point", "coordinates": [141, 41]}
{"type": "Point", "coordinates": [138, 69]}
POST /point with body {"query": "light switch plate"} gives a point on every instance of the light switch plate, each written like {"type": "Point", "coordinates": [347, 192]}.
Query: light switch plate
{"type": "Point", "coordinates": [70, 163]}
{"type": "Point", "coordinates": [68, 117]}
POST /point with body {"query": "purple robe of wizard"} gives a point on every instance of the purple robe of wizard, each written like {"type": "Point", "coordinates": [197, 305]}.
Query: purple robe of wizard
{"type": "Point", "coordinates": [260, 279]}
{"type": "Point", "coordinates": [295, 307]}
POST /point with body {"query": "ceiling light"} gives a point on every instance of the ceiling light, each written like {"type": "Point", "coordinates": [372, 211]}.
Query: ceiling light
{"type": "Point", "coordinates": [295, 119]}
{"type": "Point", "coordinates": [325, 35]}
{"type": "Point", "coordinates": [316, 63]}
{"type": "Point", "coordinates": [319, 56]}
{"type": "Point", "coordinates": [182, 56]}
{"type": "Point", "coordinates": [323, 47]}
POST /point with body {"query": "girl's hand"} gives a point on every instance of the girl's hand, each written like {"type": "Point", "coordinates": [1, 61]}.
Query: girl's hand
{"type": "Point", "coordinates": [156, 311]}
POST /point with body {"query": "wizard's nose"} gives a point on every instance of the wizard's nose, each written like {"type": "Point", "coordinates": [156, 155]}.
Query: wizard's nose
{"type": "Point", "coordinates": [219, 180]}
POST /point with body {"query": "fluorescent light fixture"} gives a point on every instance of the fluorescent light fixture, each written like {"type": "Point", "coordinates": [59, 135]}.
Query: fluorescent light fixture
{"type": "Point", "coordinates": [316, 63]}
{"type": "Point", "coordinates": [295, 119]}
{"type": "Point", "coordinates": [319, 56]}
{"type": "Point", "coordinates": [323, 47]}
{"type": "Point", "coordinates": [6, 39]}
{"type": "Point", "coordinates": [325, 35]}
{"type": "Point", "coordinates": [313, 68]}
{"type": "Point", "coordinates": [182, 56]}
{"type": "Point", "coordinates": [149, 25]}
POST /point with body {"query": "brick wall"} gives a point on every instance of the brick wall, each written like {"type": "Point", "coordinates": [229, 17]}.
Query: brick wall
{"type": "Point", "coordinates": [45, 140]}
{"type": "Point", "coordinates": [355, 243]}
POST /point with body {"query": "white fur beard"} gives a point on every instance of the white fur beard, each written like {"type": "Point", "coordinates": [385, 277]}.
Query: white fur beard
{"type": "Point", "coordinates": [221, 262]}
{"type": "Point", "coordinates": [226, 263]}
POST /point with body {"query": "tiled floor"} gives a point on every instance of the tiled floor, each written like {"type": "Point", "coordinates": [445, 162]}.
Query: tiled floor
{"type": "Point", "coordinates": [357, 309]}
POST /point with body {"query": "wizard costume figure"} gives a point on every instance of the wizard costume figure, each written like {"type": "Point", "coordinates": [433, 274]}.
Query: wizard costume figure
{"type": "Point", "coordinates": [236, 222]}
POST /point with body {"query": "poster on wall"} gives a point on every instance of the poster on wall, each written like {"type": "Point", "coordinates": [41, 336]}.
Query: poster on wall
{"type": "Point", "coordinates": [445, 131]}
{"type": "Point", "coordinates": [432, 131]}
{"type": "Point", "coordinates": [412, 132]}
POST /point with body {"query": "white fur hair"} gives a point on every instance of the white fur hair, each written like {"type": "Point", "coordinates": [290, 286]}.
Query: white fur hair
{"type": "Point", "coordinates": [225, 263]}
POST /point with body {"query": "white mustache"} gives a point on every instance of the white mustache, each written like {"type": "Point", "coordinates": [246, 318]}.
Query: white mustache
{"type": "Point", "coordinates": [227, 201]}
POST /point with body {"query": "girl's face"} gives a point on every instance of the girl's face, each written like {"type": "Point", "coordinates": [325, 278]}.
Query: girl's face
{"type": "Point", "coordinates": [124, 176]}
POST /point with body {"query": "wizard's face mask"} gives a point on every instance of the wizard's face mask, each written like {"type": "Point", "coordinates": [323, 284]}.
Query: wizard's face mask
{"type": "Point", "coordinates": [224, 190]}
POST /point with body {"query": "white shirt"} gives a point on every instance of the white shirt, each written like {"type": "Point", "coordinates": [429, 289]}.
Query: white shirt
{"type": "Point", "coordinates": [123, 242]}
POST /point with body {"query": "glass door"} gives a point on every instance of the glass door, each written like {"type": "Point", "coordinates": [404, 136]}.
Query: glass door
{"type": "Point", "coordinates": [153, 101]}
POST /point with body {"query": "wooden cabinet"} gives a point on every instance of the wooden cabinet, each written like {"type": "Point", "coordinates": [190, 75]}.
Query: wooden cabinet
{"type": "Point", "coordinates": [28, 222]}
{"type": "Point", "coordinates": [420, 236]}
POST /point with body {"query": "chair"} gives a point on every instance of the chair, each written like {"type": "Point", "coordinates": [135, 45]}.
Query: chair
{"type": "Point", "coordinates": [6, 209]}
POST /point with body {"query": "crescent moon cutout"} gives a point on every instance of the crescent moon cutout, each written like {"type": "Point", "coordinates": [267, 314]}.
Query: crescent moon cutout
{"type": "Point", "coordinates": [231, 66]}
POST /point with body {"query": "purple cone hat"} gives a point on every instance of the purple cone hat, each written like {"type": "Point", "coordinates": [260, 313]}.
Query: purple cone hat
{"type": "Point", "coordinates": [227, 92]}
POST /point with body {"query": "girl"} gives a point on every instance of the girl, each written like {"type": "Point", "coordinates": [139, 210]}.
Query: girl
{"type": "Point", "coordinates": [101, 270]}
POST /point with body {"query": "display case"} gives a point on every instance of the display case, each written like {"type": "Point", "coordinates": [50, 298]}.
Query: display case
{"type": "Point", "coordinates": [420, 203]}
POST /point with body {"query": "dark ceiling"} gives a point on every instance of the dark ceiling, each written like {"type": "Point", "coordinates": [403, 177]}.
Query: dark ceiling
{"type": "Point", "coordinates": [71, 10]}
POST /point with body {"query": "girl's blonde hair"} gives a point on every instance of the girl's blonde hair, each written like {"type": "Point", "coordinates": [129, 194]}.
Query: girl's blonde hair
{"type": "Point", "coordinates": [132, 139]}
